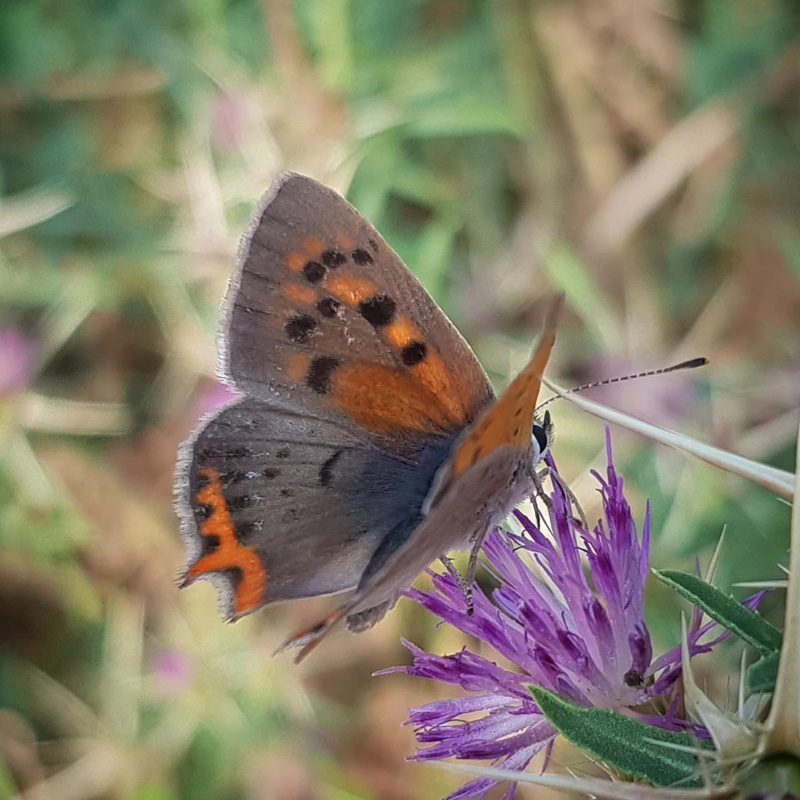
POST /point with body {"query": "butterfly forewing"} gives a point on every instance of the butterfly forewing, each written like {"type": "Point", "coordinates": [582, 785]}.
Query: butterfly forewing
{"type": "Point", "coordinates": [323, 311]}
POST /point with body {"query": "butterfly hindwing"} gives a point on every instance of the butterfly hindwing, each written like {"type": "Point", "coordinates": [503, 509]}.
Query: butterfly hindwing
{"type": "Point", "coordinates": [283, 506]}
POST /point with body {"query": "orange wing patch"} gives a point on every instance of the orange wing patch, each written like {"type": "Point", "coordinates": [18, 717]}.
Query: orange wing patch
{"type": "Point", "coordinates": [349, 289]}
{"type": "Point", "coordinates": [432, 373]}
{"type": "Point", "coordinates": [296, 261]}
{"type": "Point", "coordinates": [386, 400]}
{"type": "Point", "coordinates": [401, 333]}
{"type": "Point", "coordinates": [312, 248]}
{"type": "Point", "coordinates": [298, 366]}
{"type": "Point", "coordinates": [510, 419]}
{"type": "Point", "coordinates": [419, 394]}
{"type": "Point", "coordinates": [427, 367]}
{"type": "Point", "coordinates": [230, 553]}
{"type": "Point", "coordinates": [299, 295]}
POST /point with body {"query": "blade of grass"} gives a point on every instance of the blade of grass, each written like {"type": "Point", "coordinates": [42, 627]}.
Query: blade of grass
{"type": "Point", "coordinates": [783, 722]}
{"type": "Point", "coordinates": [776, 480]}
{"type": "Point", "coordinates": [595, 787]}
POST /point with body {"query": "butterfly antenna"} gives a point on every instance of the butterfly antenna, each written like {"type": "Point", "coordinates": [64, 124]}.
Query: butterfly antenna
{"type": "Point", "coordinates": [692, 363]}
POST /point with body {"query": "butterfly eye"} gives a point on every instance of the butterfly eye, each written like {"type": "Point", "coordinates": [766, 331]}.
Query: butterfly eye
{"type": "Point", "coordinates": [542, 436]}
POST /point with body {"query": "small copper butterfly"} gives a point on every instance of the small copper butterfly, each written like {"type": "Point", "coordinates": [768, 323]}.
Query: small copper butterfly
{"type": "Point", "coordinates": [367, 442]}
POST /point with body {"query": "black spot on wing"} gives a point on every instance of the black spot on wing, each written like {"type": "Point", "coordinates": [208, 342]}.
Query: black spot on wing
{"type": "Point", "coordinates": [326, 470]}
{"type": "Point", "coordinates": [209, 452]}
{"type": "Point", "coordinates": [314, 272]}
{"type": "Point", "coordinates": [209, 544]}
{"type": "Point", "coordinates": [247, 530]}
{"type": "Point", "coordinates": [333, 258]}
{"type": "Point", "coordinates": [299, 329]}
{"type": "Point", "coordinates": [319, 373]}
{"type": "Point", "coordinates": [239, 503]}
{"type": "Point", "coordinates": [284, 452]}
{"type": "Point", "coordinates": [414, 353]}
{"type": "Point", "coordinates": [378, 310]}
{"type": "Point", "coordinates": [270, 473]}
{"type": "Point", "coordinates": [328, 307]}
{"type": "Point", "coordinates": [361, 257]}
{"type": "Point", "coordinates": [234, 476]}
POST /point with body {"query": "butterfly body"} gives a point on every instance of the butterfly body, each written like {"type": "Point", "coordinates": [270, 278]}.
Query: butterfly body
{"type": "Point", "coordinates": [462, 516]}
{"type": "Point", "coordinates": [368, 441]}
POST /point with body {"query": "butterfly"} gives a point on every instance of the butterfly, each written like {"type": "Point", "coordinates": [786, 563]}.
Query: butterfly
{"type": "Point", "coordinates": [367, 441]}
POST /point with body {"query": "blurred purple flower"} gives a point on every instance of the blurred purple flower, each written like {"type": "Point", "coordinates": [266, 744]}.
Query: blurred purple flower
{"type": "Point", "coordinates": [215, 396]}
{"type": "Point", "coordinates": [584, 639]}
{"type": "Point", "coordinates": [16, 361]}
{"type": "Point", "coordinates": [226, 122]}
{"type": "Point", "coordinates": [172, 670]}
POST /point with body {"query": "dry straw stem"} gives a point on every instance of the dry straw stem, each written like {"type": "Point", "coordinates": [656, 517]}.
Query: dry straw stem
{"type": "Point", "coordinates": [594, 787]}
{"type": "Point", "coordinates": [131, 82]}
{"type": "Point", "coordinates": [783, 722]}
{"type": "Point", "coordinates": [26, 209]}
{"type": "Point", "coordinates": [776, 480]}
{"type": "Point", "coordinates": [74, 417]}
{"type": "Point", "coordinates": [686, 147]}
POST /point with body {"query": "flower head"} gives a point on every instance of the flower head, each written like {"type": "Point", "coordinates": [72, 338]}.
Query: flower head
{"type": "Point", "coordinates": [569, 614]}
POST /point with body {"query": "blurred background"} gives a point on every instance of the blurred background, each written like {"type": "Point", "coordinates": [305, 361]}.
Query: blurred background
{"type": "Point", "coordinates": [642, 156]}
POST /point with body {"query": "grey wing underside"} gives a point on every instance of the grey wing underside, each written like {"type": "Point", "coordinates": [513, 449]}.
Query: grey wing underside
{"type": "Point", "coordinates": [313, 498]}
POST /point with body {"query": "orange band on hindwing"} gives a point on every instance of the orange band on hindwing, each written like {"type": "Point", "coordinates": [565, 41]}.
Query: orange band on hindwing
{"type": "Point", "coordinates": [230, 552]}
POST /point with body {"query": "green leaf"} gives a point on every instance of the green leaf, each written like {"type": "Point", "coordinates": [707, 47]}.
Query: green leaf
{"type": "Point", "coordinates": [776, 776]}
{"type": "Point", "coordinates": [8, 786]}
{"type": "Point", "coordinates": [152, 791]}
{"type": "Point", "coordinates": [762, 674]}
{"type": "Point", "coordinates": [201, 772]}
{"type": "Point", "coordinates": [748, 625]}
{"type": "Point", "coordinates": [571, 274]}
{"type": "Point", "coordinates": [626, 745]}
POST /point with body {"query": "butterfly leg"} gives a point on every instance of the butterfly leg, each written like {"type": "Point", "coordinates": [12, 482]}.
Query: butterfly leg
{"type": "Point", "coordinates": [538, 482]}
{"type": "Point", "coordinates": [472, 569]}
{"type": "Point", "coordinates": [463, 583]}
{"type": "Point", "coordinates": [537, 479]}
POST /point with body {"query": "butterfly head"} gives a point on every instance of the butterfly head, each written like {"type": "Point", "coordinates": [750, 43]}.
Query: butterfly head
{"type": "Point", "coordinates": [541, 437]}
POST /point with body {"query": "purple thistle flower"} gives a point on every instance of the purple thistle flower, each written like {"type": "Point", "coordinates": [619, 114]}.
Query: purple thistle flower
{"type": "Point", "coordinates": [575, 627]}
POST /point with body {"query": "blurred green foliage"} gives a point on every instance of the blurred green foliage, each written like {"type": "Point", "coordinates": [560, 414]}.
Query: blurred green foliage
{"type": "Point", "coordinates": [491, 144]}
